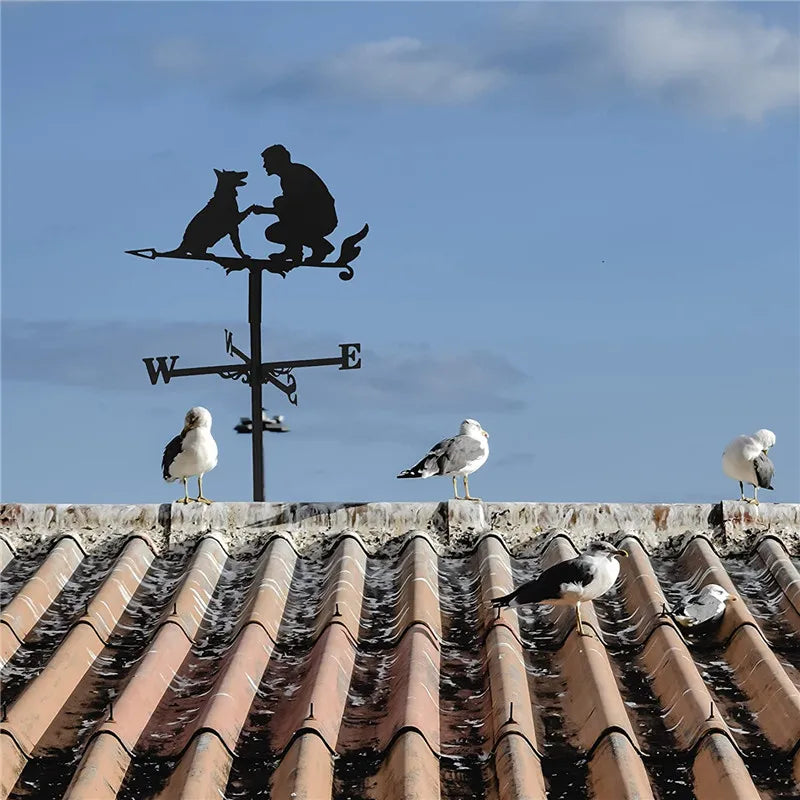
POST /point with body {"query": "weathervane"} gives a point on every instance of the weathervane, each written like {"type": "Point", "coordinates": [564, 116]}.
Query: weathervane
{"type": "Point", "coordinates": [306, 217]}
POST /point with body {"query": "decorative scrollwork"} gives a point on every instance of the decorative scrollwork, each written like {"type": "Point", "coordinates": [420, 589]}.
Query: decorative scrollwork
{"type": "Point", "coordinates": [236, 375]}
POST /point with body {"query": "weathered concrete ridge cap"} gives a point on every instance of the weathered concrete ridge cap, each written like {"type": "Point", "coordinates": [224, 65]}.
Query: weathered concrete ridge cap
{"type": "Point", "coordinates": [453, 527]}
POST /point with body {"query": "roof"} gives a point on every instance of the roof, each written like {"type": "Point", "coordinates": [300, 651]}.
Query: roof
{"type": "Point", "coordinates": [349, 651]}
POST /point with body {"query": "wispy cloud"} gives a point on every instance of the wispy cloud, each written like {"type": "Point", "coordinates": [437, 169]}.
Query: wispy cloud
{"type": "Point", "coordinates": [395, 380]}
{"type": "Point", "coordinates": [405, 69]}
{"type": "Point", "coordinates": [706, 58]}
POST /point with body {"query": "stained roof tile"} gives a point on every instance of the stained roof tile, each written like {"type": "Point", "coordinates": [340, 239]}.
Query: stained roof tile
{"type": "Point", "coordinates": [352, 652]}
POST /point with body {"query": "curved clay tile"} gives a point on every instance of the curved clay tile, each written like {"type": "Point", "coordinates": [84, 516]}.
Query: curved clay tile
{"type": "Point", "coordinates": [418, 590]}
{"type": "Point", "coordinates": [674, 677]}
{"type": "Point", "coordinates": [772, 697]}
{"type": "Point", "coordinates": [305, 772]}
{"type": "Point", "coordinates": [37, 595]}
{"type": "Point", "coordinates": [718, 771]}
{"type": "Point", "coordinates": [106, 760]}
{"type": "Point", "coordinates": [616, 770]}
{"type": "Point", "coordinates": [343, 593]}
{"type": "Point", "coordinates": [408, 733]}
{"type": "Point", "coordinates": [41, 701]}
{"type": "Point", "coordinates": [410, 771]}
{"type": "Point", "coordinates": [307, 729]}
{"type": "Point", "coordinates": [204, 768]}
{"type": "Point", "coordinates": [593, 705]}
{"type": "Point", "coordinates": [784, 573]}
{"type": "Point", "coordinates": [516, 760]}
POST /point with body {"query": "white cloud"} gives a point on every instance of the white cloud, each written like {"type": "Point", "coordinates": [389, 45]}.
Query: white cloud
{"type": "Point", "coordinates": [403, 68]}
{"type": "Point", "coordinates": [709, 57]}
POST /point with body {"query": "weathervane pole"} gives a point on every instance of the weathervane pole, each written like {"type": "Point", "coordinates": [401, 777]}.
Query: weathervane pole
{"type": "Point", "coordinates": [254, 318]}
{"type": "Point", "coordinates": [306, 215]}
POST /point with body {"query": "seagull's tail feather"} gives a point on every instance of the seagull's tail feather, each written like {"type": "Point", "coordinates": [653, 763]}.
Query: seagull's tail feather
{"type": "Point", "coordinates": [505, 600]}
{"type": "Point", "coordinates": [423, 469]}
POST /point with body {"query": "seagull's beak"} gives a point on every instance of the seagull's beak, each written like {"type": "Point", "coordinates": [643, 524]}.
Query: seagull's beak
{"type": "Point", "coordinates": [764, 452]}
{"type": "Point", "coordinates": [484, 433]}
{"type": "Point", "coordinates": [621, 553]}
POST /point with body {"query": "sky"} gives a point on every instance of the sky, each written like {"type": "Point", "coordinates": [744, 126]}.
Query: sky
{"type": "Point", "coordinates": [583, 233]}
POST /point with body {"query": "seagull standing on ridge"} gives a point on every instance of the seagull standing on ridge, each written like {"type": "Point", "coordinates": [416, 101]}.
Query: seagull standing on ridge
{"type": "Point", "coordinates": [461, 455]}
{"type": "Point", "coordinates": [745, 460]}
{"type": "Point", "coordinates": [571, 582]}
{"type": "Point", "coordinates": [192, 452]}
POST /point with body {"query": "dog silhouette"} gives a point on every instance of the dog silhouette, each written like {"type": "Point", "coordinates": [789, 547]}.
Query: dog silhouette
{"type": "Point", "coordinates": [219, 218]}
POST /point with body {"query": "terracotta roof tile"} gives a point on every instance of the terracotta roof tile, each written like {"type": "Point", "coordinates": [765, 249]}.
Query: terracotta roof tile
{"type": "Point", "coordinates": [352, 652]}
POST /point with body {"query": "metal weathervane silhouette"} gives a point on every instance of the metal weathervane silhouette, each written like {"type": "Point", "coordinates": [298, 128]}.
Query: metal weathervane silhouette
{"type": "Point", "coordinates": [306, 216]}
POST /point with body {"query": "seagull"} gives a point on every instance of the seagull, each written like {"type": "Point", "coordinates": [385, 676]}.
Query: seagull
{"type": "Point", "coordinates": [461, 455]}
{"type": "Point", "coordinates": [571, 582]}
{"type": "Point", "coordinates": [702, 608]}
{"type": "Point", "coordinates": [192, 452]}
{"type": "Point", "coordinates": [745, 460]}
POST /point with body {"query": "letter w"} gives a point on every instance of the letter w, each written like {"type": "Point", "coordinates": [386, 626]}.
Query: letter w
{"type": "Point", "coordinates": [161, 370]}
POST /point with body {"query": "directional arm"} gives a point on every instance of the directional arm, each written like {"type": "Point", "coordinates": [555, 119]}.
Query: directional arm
{"type": "Point", "coordinates": [164, 367]}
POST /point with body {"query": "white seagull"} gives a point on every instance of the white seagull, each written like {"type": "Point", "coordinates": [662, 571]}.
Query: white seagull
{"type": "Point", "coordinates": [702, 608]}
{"type": "Point", "coordinates": [745, 460]}
{"type": "Point", "coordinates": [571, 582]}
{"type": "Point", "coordinates": [461, 455]}
{"type": "Point", "coordinates": [192, 452]}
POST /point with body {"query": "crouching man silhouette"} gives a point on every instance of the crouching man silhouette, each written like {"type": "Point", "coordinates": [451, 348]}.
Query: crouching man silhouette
{"type": "Point", "coordinates": [305, 211]}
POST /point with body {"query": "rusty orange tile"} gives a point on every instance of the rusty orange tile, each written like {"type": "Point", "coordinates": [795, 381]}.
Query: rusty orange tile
{"type": "Point", "coordinates": [229, 703]}
{"type": "Point", "coordinates": [675, 679]}
{"type": "Point", "coordinates": [101, 775]}
{"type": "Point", "coordinates": [616, 770]}
{"type": "Point", "coordinates": [209, 705]}
{"type": "Point", "coordinates": [518, 770]}
{"type": "Point", "coordinates": [12, 762]}
{"type": "Point", "coordinates": [419, 589]}
{"type": "Point", "coordinates": [772, 697]}
{"type": "Point", "coordinates": [593, 703]}
{"type": "Point", "coordinates": [344, 590]}
{"type": "Point", "coordinates": [410, 771]}
{"type": "Point", "coordinates": [39, 704]}
{"type": "Point", "coordinates": [785, 575]}
{"type": "Point", "coordinates": [305, 772]}
{"type": "Point", "coordinates": [26, 609]}
{"type": "Point", "coordinates": [718, 772]}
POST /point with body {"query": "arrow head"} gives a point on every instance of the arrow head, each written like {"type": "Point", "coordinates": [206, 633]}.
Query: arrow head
{"type": "Point", "coordinates": [148, 252]}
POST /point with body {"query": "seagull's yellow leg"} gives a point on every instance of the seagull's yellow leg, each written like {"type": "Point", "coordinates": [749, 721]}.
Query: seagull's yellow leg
{"type": "Point", "coordinates": [455, 488]}
{"type": "Point", "coordinates": [754, 501]}
{"type": "Point", "coordinates": [466, 490]}
{"type": "Point", "coordinates": [578, 621]}
{"type": "Point", "coordinates": [185, 499]}
{"type": "Point", "coordinates": [200, 498]}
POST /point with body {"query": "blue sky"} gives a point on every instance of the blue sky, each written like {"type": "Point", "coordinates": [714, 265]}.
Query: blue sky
{"type": "Point", "coordinates": [584, 234]}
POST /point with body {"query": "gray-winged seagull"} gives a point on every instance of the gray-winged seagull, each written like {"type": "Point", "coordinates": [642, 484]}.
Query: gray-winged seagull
{"type": "Point", "coordinates": [461, 455]}
{"type": "Point", "coordinates": [745, 460]}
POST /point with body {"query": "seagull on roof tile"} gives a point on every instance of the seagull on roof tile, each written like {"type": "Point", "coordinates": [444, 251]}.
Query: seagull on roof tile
{"type": "Point", "coordinates": [704, 608]}
{"type": "Point", "coordinates": [192, 452]}
{"type": "Point", "coordinates": [571, 582]}
{"type": "Point", "coordinates": [745, 460]}
{"type": "Point", "coordinates": [460, 455]}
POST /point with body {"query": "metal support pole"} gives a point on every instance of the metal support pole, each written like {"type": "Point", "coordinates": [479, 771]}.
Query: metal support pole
{"type": "Point", "coordinates": [254, 318]}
